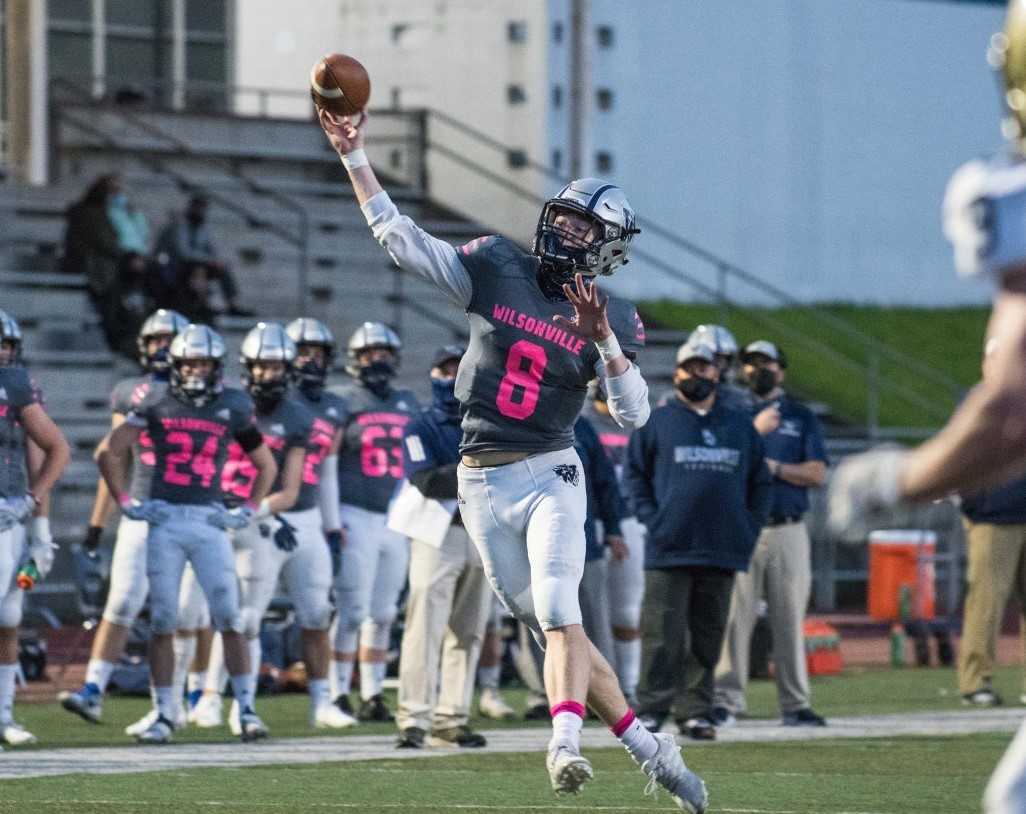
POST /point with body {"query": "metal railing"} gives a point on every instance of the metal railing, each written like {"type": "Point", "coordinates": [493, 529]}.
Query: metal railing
{"type": "Point", "coordinates": [430, 138]}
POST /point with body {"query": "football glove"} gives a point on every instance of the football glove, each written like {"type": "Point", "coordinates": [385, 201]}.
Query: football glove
{"type": "Point", "coordinates": [285, 535]}
{"type": "Point", "coordinates": [861, 488]}
{"type": "Point", "coordinates": [153, 512]}
{"type": "Point", "coordinates": [334, 539]}
{"type": "Point", "coordinates": [230, 519]}
{"type": "Point", "coordinates": [41, 547]}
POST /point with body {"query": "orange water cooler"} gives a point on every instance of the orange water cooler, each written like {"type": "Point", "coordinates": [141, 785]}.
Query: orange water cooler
{"type": "Point", "coordinates": [901, 559]}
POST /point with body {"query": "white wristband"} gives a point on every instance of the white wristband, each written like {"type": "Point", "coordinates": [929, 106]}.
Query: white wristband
{"type": "Point", "coordinates": [355, 159]}
{"type": "Point", "coordinates": [609, 348]}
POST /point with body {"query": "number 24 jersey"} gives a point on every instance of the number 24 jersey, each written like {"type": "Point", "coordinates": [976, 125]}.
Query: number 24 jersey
{"type": "Point", "coordinates": [190, 443]}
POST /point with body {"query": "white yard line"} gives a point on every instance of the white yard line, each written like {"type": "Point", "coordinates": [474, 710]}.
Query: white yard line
{"type": "Point", "coordinates": [133, 758]}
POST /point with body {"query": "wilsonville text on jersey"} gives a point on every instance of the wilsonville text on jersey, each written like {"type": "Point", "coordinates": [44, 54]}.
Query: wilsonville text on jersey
{"type": "Point", "coordinates": [537, 327]}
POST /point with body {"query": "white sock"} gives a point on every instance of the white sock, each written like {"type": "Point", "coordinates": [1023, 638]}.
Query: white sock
{"type": "Point", "coordinates": [196, 681]}
{"type": "Point", "coordinates": [639, 741]}
{"type": "Point", "coordinates": [488, 677]}
{"type": "Point", "coordinates": [185, 651]}
{"type": "Point", "coordinates": [566, 729]}
{"type": "Point", "coordinates": [8, 674]}
{"type": "Point", "coordinates": [372, 677]}
{"type": "Point", "coordinates": [319, 692]}
{"type": "Point", "coordinates": [628, 664]}
{"type": "Point", "coordinates": [341, 676]}
{"type": "Point", "coordinates": [217, 673]}
{"type": "Point", "coordinates": [255, 655]}
{"type": "Point", "coordinates": [242, 686]}
{"type": "Point", "coordinates": [98, 672]}
{"type": "Point", "coordinates": [167, 704]}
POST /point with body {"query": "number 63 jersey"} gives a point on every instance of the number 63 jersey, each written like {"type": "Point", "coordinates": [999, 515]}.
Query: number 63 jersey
{"type": "Point", "coordinates": [523, 380]}
{"type": "Point", "coordinates": [190, 443]}
{"type": "Point", "coordinates": [370, 462]}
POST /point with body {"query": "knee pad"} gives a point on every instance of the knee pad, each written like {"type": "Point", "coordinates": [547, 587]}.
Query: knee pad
{"type": "Point", "coordinates": [628, 616]}
{"type": "Point", "coordinates": [249, 621]}
{"type": "Point", "coordinates": [10, 609]}
{"type": "Point", "coordinates": [123, 607]}
{"type": "Point", "coordinates": [556, 602]}
{"type": "Point", "coordinates": [313, 615]}
{"type": "Point", "coordinates": [375, 633]}
{"type": "Point", "coordinates": [224, 610]}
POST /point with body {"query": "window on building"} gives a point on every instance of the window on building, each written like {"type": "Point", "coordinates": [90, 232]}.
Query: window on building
{"type": "Point", "coordinates": [516, 31]}
{"type": "Point", "coordinates": [604, 33]}
{"type": "Point", "coordinates": [604, 99]}
{"type": "Point", "coordinates": [557, 160]}
{"type": "Point", "coordinates": [517, 159]}
{"type": "Point", "coordinates": [603, 162]}
{"type": "Point", "coordinates": [557, 96]}
{"type": "Point", "coordinates": [557, 31]}
{"type": "Point", "coordinates": [515, 94]}
{"type": "Point", "coordinates": [70, 10]}
{"type": "Point", "coordinates": [206, 15]}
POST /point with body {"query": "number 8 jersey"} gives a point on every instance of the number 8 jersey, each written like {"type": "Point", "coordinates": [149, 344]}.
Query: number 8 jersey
{"type": "Point", "coordinates": [523, 380]}
{"type": "Point", "coordinates": [190, 442]}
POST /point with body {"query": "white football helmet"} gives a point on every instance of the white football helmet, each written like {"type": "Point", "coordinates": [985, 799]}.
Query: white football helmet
{"type": "Point", "coordinates": [267, 342]}
{"type": "Point", "coordinates": [367, 336]}
{"type": "Point", "coordinates": [197, 342]}
{"type": "Point", "coordinates": [605, 205]}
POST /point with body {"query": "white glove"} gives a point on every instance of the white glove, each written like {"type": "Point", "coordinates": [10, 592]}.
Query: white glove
{"type": "Point", "coordinates": [985, 216]}
{"type": "Point", "coordinates": [863, 486]}
{"type": "Point", "coordinates": [224, 518]}
{"type": "Point", "coordinates": [153, 512]}
{"type": "Point", "coordinates": [41, 547]}
{"type": "Point", "coordinates": [14, 510]}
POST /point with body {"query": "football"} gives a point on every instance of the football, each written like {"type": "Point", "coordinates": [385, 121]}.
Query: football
{"type": "Point", "coordinates": [340, 84]}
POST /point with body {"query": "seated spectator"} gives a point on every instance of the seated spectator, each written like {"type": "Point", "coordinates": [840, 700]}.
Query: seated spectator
{"type": "Point", "coordinates": [92, 248]}
{"type": "Point", "coordinates": [186, 241]}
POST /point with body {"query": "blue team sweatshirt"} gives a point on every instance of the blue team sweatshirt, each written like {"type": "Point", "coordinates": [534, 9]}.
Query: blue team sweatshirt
{"type": "Point", "coordinates": [700, 485]}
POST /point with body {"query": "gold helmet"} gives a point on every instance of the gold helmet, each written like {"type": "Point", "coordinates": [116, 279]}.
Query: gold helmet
{"type": "Point", "coordinates": [1007, 54]}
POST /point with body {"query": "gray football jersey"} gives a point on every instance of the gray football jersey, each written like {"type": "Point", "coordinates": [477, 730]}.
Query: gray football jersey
{"type": "Point", "coordinates": [523, 380]}
{"type": "Point", "coordinates": [17, 391]}
{"type": "Point", "coordinates": [329, 413]}
{"type": "Point", "coordinates": [613, 437]}
{"type": "Point", "coordinates": [125, 397]}
{"type": "Point", "coordinates": [190, 443]}
{"type": "Point", "coordinates": [370, 463]}
{"type": "Point", "coordinates": [285, 427]}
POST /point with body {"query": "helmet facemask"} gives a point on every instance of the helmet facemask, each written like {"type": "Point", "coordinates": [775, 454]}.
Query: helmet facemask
{"type": "Point", "coordinates": [197, 389]}
{"type": "Point", "coordinates": [266, 391]}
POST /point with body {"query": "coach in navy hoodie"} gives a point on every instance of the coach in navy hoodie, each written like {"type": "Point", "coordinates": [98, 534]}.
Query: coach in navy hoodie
{"type": "Point", "coordinates": [697, 479]}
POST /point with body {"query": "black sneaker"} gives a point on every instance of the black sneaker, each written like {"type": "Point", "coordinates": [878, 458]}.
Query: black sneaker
{"type": "Point", "coordinates": [983, 697]}
{"type": "Point", "coordinates": [411, 738]}
{"type": "Point", "coordinates": [803, 717]}
{"type": "Point", "coordinates": [462, 737]}
{"type": "Point", "coordinates": [652, 721]}
{"type": "Point", "coordinates": [698, 729]}
{"type": "Point", "coordinates": [374, 709]}
{"type": "Point", "coordinates": [343, 703]}
{"type": "Point", "coordinates": [538, 712]}
{"type": "Point", "coordinates": [723, 717]}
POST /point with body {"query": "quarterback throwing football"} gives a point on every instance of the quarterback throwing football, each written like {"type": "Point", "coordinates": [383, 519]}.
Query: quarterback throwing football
{"type": "Point", "coordinates": [539, 331]}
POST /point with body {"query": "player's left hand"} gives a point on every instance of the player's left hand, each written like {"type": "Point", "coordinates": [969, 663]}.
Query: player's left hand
{"type": "Point", "coordinates": [589, 319]}
{"type": "Point", "coordinates": [862, 487]}
{"type": "Point", "coordinates": [41, 547]}
{"type": "Point", "coordinates": [617, 547]}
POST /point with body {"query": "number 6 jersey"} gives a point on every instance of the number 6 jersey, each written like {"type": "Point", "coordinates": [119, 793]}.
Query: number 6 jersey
{"type": "Point", "coordinates": [190, 443]}
{"type": "Point", "coordinates": [370, 462]}
{"type": "Point", "coordinates": [523, 380]}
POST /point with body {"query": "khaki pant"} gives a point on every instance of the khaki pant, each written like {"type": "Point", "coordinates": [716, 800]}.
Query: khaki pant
{"type": "Point", "coordinates": [780, 573]}
{"type": "Point", "coordinates": [448, 606]}
{"type": "Point", "coordinates": [997, 567]}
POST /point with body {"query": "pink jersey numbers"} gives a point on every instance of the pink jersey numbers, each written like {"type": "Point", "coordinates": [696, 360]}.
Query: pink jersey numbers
{"type": "Point", "coordinates": [520, 387]}
{"type": "Point", "coordinates": [377, 461]}
{"type": "Point", "coordinates": [318, 447]}
{"type": "Point", "coordinates": [198, 464]}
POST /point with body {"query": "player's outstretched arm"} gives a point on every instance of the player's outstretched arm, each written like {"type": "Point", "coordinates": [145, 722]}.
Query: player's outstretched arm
{"type": "Point", "coordinates": [411, 247]}
{"type": "Point", "coordinates": [626, 387]}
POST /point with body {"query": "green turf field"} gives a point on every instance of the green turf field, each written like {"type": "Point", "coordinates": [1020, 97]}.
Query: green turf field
{"type": "Point", "coordinates": [857, 692]}
{"type": "Point", "coordinates": [893, 776]}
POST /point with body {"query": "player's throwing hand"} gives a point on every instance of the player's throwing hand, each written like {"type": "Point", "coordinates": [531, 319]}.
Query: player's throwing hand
{"type": "Point", "coordinates": [344, 135]}
{"type": "Point", "coordinates": [589, 319]}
